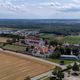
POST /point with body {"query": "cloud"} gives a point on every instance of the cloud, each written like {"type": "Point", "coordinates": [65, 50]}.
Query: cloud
{"type": "Point", "coordinates": [74, 6]}
{"type": "Point", "coordinates": [41, 9]}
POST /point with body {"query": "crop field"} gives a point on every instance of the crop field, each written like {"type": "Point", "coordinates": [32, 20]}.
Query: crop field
{"type": "Point", "coordinates": [3, 39]}
{"type": "Point", "coordinates": [72, 39]}
{"type": "Point", "coordinates": [14, 67]}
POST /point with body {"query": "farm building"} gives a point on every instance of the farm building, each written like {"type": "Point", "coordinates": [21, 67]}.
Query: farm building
{"type": "Point", "coordinates": [16, 66]}
{"type": "Point", "coordinates": [69, 57]}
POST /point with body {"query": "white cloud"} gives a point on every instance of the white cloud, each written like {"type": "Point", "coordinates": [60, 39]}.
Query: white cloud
{"type": "Point", "coordinates": [38, 9]}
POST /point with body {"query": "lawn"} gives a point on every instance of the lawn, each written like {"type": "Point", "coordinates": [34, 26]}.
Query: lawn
{"type": "Point", "coordinates": [49, 36]}
{"type": "Point", "coordinates": [58, 61]}
{"type": "Point", "coordinates": [68, 39]}
{"type": "Point", "coordinates": [15, 47]}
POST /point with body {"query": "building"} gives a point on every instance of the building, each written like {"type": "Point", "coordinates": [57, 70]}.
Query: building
{"type": "Point", "coordinates": [69, 57]}
{"type": "Point", "coordinates": [42, 51]}
{"type": "Point", "coordinates": [32, 40]}
{"type": "Point", "coordinates": [26, 32]}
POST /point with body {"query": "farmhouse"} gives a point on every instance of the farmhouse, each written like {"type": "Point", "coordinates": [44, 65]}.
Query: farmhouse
{"type": "Point", "coordinates": [15, 66]}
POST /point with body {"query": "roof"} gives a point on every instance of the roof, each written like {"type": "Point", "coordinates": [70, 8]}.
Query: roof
{"type": "Point", "coordinates": [68, 56]}
{"type": "Point", "coordinates": [14, 67]}
{"type": "Point", "coordinates": [32, 38]}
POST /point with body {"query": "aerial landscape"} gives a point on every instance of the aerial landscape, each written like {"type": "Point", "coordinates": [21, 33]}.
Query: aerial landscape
{"type": "Point", "coordinates": [39, 39]}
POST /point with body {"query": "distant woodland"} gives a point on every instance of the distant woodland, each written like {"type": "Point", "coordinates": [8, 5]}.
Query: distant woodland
{"type": "Point", "coordinates": [58, 27]}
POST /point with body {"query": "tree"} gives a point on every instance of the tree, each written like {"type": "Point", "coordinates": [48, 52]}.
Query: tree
{"type": "Point", "coordinates": [62, 62]}
{"type": "Point", "coordinates": [56, 69]}
{"type": "Point", "coordinates": [9, 41]}
{"type": "Point", "coordinates": [27, 78]}
{"type": "Point", "coordinates": [55, 42]}
{"type": "Point", "coordinates": [56, 55]}
{"type": "Point", "coordinates": [75, 51]}
{"type": "Point", "coordinates": [75, 67]}
{"type": "Point", "coordinates": [27, 48]}
{"type": "Point", "coordinates": [4, 44]}
{"type": "Point", "coordinates": [68, 50]}
{"type": "Point", "coordinates": [69, 71]}
{"type": "Point", "coordinates": [61, 49]}
{"type": "Point", "coordinates": [32, 47]}
{"type": "Point", "coordinates": [13, 40]}
{"type": "Point", "coordinates": [69, 67]}
{"type": "Point", "coordinates": [58, 73]}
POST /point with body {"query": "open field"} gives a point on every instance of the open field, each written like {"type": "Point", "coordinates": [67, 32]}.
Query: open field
{"type": "Point", "coordinates": [15, 47]}
{"type": "Point", "coordinates": [14, 67]}
{"type": "Point", "coordinates": [49, 36]}
{"type": "Point", "coordinates": [68, 39]}
{"type": "Point", "coordinates": [3, 39]}
{"type": "Point", "coordinates": [58, 61]}
{"type": "Point", "coordinates": [72, 39]}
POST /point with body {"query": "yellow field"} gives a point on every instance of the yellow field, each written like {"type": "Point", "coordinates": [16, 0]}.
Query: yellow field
{"type": "Point", "coordinates": [17, 68]}
{"type": "Point", "coordinates": [3, 39]}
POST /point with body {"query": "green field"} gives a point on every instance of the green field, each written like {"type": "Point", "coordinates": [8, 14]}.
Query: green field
{"type": "Point", "coordinates": [15, 47]}
{"type": "Point", "coordinates": [58, 61]}
{"type": "Point", "coordinates": [49, 36]}
{"type": "Point", "coordinates": [72, 39]}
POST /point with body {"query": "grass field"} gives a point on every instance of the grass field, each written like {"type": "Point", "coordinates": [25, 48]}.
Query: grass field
{"type": "Point", "coordinates": [72, 39]}
{"type": "Point", "coordinates": [14, 67]}
{"type": "Point", "coordinates": [58, 61]}
{"type": "Point", "coordinates": [68, 39]}
{"type": "Point", "coordinates": [15, 47]}
{"type": "Point", "coordinates": [49, 36]}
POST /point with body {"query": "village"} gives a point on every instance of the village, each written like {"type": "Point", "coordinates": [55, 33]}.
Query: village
{"type": "Point", "coordinates": [41, 47]}
{"type": "Point", "coordinates": [29, 42]}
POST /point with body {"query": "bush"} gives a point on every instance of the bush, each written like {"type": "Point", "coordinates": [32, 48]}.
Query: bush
{"type": "Point", "coordinates": [75, 67]}
{"type": "Point", "coordinates": [61, 62]}
{"type": "Point", "coordinates": [27, 78]}
{"type": "Point", "coordinates": [56, 55]}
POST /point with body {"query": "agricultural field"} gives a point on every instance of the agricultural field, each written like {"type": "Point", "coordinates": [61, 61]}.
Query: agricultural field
{"type": "Point", "coordinates": [15, 47]}
{"type": "Point", "coordinates": [14, 67]}
{"type": "Point", "coordinates": [3, 39]}
{"type": "Point", "coordinates": [65, 39]}
{"type": "Point", "coordinates": [49, 36]}
{"type": "Point", "coordinates": [72, 39]}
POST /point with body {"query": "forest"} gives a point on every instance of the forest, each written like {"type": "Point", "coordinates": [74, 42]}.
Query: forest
{"type": "Point", "coordinates": [58, 27]}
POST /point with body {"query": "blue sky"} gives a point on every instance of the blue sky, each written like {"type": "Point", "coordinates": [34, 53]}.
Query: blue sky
{"type": "Point", "coordinates": [40, 9]}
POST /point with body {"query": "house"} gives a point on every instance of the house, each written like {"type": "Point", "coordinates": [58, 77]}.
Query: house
{"type": "Point", "coordinates": [6, 31]}
{"type": "Point", "coordinates": [42, 51]}
{"type": "Point", "coordinates": [26, 32]}
{"type": "Point", "coordinates": [32, 40]}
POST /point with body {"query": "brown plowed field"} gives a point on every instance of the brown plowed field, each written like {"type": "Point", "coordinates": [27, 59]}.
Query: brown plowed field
{"type": "Point", "coordinates": [17, 68]}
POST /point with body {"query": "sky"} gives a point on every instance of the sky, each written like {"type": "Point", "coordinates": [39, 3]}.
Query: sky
{"type": "Point", "coordinates": [40, 9]}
